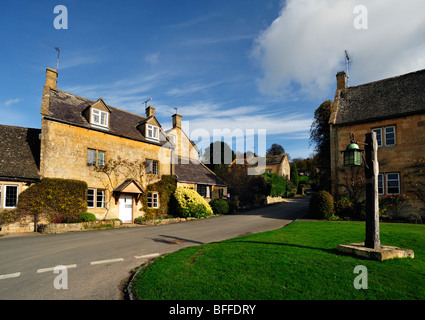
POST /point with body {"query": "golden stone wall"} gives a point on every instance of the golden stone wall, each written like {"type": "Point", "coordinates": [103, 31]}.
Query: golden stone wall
{"type": "Point", "coordinates": [410, 146]}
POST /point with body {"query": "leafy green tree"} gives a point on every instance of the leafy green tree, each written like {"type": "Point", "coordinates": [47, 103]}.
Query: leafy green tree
{"type": "Point", "coordinates": [275, 150]}
{"type": "Point", "coordinates": [320, 137]}
{"type": "Point", "coordinates": [218, 156]}
{"type": "Point", "coordinates": [294, 175]}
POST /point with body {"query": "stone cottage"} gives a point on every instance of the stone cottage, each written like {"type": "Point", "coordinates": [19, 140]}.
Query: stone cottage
{"type": "Point", "coordinates": [19, 162]}
{"type": "Point", "coordinates": [394, 108]}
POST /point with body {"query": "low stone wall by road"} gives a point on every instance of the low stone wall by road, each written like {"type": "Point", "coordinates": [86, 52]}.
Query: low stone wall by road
{"type": "Point", "coordinates": [271, 200]}
{"type": "Point", "coordinates": [81, 226]}
{"type": "Point", "coordinates": [27, 225]}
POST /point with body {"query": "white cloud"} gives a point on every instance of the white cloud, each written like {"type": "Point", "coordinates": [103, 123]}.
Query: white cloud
{"type": "Point", "coordinates": [191, 88]}
{"type": "Point", "coordinates": [216, 40]}
{"type": "Point", "coordinates": [304, 47]}
{"type": "Point", "coordinates": [152, 58]}
{"type": "Point", "coordinates": [9, 102]}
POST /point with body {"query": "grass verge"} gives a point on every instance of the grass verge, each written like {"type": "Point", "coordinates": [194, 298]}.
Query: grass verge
{"type": "Point", "coordinates": [298, 262]}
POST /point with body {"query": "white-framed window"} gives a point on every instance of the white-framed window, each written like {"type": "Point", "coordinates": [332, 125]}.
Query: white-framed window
{"type": "Point", "coordinates": [152, 166]}
{"type": "Point", "coordinates": [95, 198]}
{"type": "Point", "coordinates": [152, 132]}
{"type": "Point", "coordinates": [389, 136]}
{"type": "Point", "coordinates": [90, 197]}
{"type": "Point", "coordinates": [393, 183]}
{"type": "Point", "coordinates": [10, 196]}
{"type": "Point", "coordinates": [95, 157]}
{"type": "Point", "coordinates": [100, 198]}
{"type": "Point", "coordinates": [153, 200]}
{"type": "Point", "coordinates": [380, 184]}
{"type": "Point", "coordinates": [99, 118]}
{"type": "Point", "coordinates": [378, 135]}
{"type": "Point", "coordinates": [385, 136]}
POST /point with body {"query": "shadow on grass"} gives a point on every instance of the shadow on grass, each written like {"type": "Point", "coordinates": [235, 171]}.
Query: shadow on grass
{"type": "Point", "coordinates": [333, 251]}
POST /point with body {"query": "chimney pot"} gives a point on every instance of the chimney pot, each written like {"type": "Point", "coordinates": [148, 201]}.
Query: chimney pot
{"type": "Point", "coordinates": [341, 80]}
{"type": "Point", "coordinates": [150, 111]}
{"type": "Point", "coordinates": [51, 78]}
{"type": "Point", "coordinates": [177, 121]}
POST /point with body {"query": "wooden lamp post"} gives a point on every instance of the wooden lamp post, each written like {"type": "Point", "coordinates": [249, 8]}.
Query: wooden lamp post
{"type": "Point", "coordinates": [372, 201]}
{"type": "Point", "coordinates": [371, 248]}
{"type": "Point", "coordinates": [353, 157]}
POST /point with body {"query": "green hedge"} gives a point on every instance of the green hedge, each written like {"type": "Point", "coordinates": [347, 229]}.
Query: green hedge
{"type": "Point", "coordinates": [277, 183]}
{"type": "Point", "coordinates": [62, 200]}
{"type": "Point", "coordinates": [219, 206]}
{"type": "Point", "coordinates": [322, 205]}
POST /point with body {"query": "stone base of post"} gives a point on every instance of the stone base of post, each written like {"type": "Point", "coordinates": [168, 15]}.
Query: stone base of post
{"type": "Point", "coordinates": [384, 253]}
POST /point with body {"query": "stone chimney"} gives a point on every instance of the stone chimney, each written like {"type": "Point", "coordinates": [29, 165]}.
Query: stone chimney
{"type": "Point", "coordinates": [341, 80]}
{"type": "Point", "coordinates": [51, 78]}
{"type": "Point", "coordinates": [177, 121]}
{"type": "Point", "coordinates": [150, 111]}
{"type": "Point", "coordinates": [51, 83]}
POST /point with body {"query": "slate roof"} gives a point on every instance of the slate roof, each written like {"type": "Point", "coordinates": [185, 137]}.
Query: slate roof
{"type": "Point", "coordinates": [191, 171]}
{"type": "Point", "coordinates": [68, 108]}
{"type": "Point", "coordinates": [275, 159]}
{"type": "Point", "coordinates": [388, 98]}
{"type": "Point", "coordinates": [19, 153]}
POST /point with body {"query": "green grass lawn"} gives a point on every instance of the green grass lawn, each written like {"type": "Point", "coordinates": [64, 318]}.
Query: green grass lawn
{"type": "Point", "coordinates": [295, 262]}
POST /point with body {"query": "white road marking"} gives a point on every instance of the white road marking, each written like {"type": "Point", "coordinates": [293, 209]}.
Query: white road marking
{"type": "Point", "coordinates": [10, 275]}
{"type": "Point", "coordinates": [147, 256]}
{"type": "Point", "coordinates": [106, 261]}
{"type": "Point", "coordinates": [53, 268]}
{"type": "Point", "coordinates": [17, 274]}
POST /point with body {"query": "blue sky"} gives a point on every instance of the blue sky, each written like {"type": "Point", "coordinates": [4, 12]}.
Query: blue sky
{"type": "Point", "coordinates": [240, 65]}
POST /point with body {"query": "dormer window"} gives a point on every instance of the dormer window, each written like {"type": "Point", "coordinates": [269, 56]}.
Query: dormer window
{"type": "Point", "coordinates": [99, 118]}
{"type": "Point", "coordinates": [152, 132]}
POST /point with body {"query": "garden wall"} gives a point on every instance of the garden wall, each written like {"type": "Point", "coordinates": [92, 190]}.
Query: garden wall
{"type": "Point", "coordinates": [271, 200]}
{"type": "Point", "coordinates": [27, 225]}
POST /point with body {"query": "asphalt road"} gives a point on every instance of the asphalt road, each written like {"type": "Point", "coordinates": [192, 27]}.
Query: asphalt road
{"type": "Point", "coordinates": [99, 263]}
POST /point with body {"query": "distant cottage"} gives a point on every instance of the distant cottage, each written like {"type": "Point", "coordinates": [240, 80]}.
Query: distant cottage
{"type": "Point", "coordinates": [394, 108]}
{"type": "Point", "coordinates": [278, 164]}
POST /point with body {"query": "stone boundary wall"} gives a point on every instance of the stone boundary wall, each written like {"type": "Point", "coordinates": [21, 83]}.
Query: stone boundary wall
{"type": "Point", "coordinates": [155, 222]}
{"type": "Point", "coordinates": [80, 226]}
{"type": "Point", "coordinates": [271, 200]}
{"type": "Point", "coordinates": [23, 226]}
{"type": "Point", "coordinates": [27, 225]}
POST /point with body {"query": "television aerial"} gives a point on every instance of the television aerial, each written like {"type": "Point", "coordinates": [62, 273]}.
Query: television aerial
{"type": "Point", "coordinates": [58, 51]}
{"type": "Point", "coordinates": [347, 61]}
{"type": "Point", "coordinates": [146, 102]}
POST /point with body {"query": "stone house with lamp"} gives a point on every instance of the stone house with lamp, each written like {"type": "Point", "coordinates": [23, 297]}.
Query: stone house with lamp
{"type": "Point", "coordinates": [394, 108]}
{"type": "Point", "coordinates": [79, 135]}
